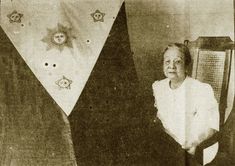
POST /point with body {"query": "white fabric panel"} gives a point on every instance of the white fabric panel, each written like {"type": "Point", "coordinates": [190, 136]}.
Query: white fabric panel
{"type": "Point", "coordinates": [60, 40]}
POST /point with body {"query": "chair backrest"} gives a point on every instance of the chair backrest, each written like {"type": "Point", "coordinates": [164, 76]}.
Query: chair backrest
{"type": "Point", "coordinates": [212, 64]}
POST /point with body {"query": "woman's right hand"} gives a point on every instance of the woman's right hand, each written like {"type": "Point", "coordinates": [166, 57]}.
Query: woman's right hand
{"type": "Point", "coordinates": [192, 150]}
{"type": "Point", "coordinates": [190, 147]}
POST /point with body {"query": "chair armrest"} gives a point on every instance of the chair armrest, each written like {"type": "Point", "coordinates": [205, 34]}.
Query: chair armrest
{"type": "Point", "coordinates": [210, 141]}
{"type": "Point", "coordinates": [205, 144]}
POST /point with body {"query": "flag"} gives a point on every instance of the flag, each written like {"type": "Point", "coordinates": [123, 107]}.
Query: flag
{"type": "Point", "coordinates": [80, 52]}
{"type": "Point", "coordinates": [60, 40]}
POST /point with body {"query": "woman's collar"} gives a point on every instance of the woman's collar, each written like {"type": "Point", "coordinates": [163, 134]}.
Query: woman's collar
{"type": "Point", "coordinates": [180, 86]}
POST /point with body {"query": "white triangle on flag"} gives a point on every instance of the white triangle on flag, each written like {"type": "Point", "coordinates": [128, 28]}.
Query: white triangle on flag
{"type": "Point", "coordinates": [60, 40]}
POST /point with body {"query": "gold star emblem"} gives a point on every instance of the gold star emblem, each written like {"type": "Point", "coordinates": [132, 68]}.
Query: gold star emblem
{"type": "Point", "coordinates": [64, 83]}
{"type": "Point", "coordinates": [59, 37]}
{"type": "Point", "coordinates": [98, 16]}
{"type": "Point", "coordinates": [15, 17]}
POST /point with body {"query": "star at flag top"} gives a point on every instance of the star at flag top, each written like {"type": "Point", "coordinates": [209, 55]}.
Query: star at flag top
{"type": "Point", "coordinates": [15, 17]}
{"type": "Point", "coordinates": [98, 16]}
{"type": "Point", "coordinates": [60, 40]}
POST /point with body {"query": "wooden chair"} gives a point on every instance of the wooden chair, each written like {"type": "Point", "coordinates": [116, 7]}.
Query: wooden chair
{"type": "Point", "coordinates": [212, 64]}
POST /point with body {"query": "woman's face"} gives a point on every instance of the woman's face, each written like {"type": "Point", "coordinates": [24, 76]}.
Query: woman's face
{"type": "Point", "coordinates": [174, 66]}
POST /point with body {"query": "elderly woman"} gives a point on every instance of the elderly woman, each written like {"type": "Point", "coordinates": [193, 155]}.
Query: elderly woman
{"type": "Point", "coordinates": [187, 108]}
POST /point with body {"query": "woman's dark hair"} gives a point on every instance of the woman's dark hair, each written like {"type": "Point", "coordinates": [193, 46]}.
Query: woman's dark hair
{"type": "Point", "coordinates": [183, 49]}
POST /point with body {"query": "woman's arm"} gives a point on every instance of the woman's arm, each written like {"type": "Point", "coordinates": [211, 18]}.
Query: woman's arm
{"type": "Point", "coordinates": [209, 113]}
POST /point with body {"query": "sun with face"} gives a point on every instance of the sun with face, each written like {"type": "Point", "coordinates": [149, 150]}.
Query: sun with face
{"type": "Point", "coordinates": [59, 38]}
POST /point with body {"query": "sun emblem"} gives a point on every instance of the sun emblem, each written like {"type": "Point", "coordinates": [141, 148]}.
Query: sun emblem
{"type": "Point", "coordinates": [59, 37]}
{"type": "Point", "coordinates": [15, 17]}
{"type": "Point", "coordinates": [98, 16]}
{"type": "Point", "coordinates": [64, 83]}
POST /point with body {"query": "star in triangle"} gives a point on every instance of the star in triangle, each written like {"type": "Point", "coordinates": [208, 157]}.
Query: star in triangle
{"type": "Point", "coordinates": [64, 83]}
{"type": "Point", "coordinates": [59, 37]}
{"type": "Point", "coordinates": [98, 16]}
{"type": "Point", "coordinates": [15, 17]}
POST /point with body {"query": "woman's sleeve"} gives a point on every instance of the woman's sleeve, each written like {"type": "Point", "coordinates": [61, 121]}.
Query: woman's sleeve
{"type": "Point", "coordinates": [154, 87]}
{"type": "Point", "coordinates": [210, 106]}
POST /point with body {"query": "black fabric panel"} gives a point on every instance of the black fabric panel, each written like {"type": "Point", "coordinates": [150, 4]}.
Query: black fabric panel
{"type": "Point", "coordinates": [106, 121]}
{"type": "Point", "coordinates": [33, 129]}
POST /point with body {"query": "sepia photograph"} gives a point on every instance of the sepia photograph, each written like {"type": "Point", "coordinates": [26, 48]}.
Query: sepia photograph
{"type": "Point", "coordinates": [117, 83]}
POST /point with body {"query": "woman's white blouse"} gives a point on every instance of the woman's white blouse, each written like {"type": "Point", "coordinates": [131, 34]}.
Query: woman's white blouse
{"type": "Point", "coordinates": [188, 111]}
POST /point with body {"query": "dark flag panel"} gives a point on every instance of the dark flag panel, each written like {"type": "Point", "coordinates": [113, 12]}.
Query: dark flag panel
{"type": "Point", "coordinates": [106, 120]}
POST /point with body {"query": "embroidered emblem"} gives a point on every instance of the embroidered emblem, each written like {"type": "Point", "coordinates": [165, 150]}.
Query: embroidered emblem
{"type": "Point", "coordinates": [64, 83]}
{"type": "Point", "coordinates": [59, 37]}
{"type": "Point", "coordinates": [15, 17]}
{"type": "Point", "coordinates": [98, 16]}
